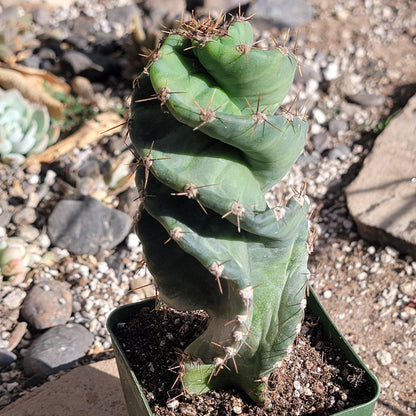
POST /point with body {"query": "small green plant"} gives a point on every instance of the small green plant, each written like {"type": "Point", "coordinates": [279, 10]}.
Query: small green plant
{"type": "Point", "coordinates": [74, 113]}
{"type": "Point", "coordinates": [210, 144]}
{"type": "Point", "coordinates": [14, 261]}
{"type": "Point", "coordinates": [25, 127]}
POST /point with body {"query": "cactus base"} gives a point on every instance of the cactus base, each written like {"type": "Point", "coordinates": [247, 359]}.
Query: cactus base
{"type": "Point", "coordinates": [136, 400]}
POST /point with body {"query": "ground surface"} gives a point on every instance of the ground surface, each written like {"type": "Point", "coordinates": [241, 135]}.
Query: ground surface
{"type": "Point", "coordinates": [368, 287]}
{"type": "Point", "coordinates": [349, 47]}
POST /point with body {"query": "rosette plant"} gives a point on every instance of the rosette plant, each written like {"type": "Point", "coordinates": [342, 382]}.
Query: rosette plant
{"type": "Point", "coordinates": [211, 141]}
{"type": "Point", "coordinates": [25, 127]}
{"type": "Point", "coordinates": [14, 261]}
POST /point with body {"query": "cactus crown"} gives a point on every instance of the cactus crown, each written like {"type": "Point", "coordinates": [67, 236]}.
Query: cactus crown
{"type": "Point", "coordinates": [210, 144]}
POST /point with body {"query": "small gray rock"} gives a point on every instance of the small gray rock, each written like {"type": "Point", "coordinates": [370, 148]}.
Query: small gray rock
{"type": "Point", "coordinates": [78, 62]}
{"type": "Point", "coordinates": [48, 304]}
{"type": "Point", "coordinates": [321, 141]}
{"type": "Point", "coordinates": [82, 26]}
{"type": "Point", "coordinates": [41, 16]}
{"type": "Point", "coordinates": [367, 100]}
{"type": "Point", "coordinates": [78, 41]}
{"type": "Point", "coordinates": [308, 72]}
{"type": "Point", "coordinates": [337, 125]}
{"type": "Point", "coordinates": [307, 159]}
{"type": "Point", "coordinates": [47, 53]}
{"type": "Point", "coordinates": [6, 358]}
{"type": "Point", "coordinates": [85, 226]}
{"type": "Point", "coordinates": [124, 15]}
{"type": "Point", "coordinates": [5, 214]}
{"type": "Point", "coordinates": [57, 349]}
{"type": "Point", "coordinates": [222, 5]}
{"type": "Point", "coordinates": [280, 13]}
{"type": "Point", "coordinates": [164, 10]}
{"type": "Point", "coordinates": [340, 152]}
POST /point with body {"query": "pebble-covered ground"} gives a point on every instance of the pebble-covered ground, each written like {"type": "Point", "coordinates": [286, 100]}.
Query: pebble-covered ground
{"type": "Point", "coordinates": [358, 61]}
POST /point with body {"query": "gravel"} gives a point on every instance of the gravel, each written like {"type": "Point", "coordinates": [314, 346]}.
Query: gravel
{"type": "Point", "coordinates": [358, 58]}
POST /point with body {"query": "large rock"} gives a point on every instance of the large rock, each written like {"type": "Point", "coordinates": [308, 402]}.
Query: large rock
{"type": "Point", "coordinates": [89, 390]}
{"type": "Point", "coordinates": [48, 304]}
{"type": "Point", "coordinates": [382, 199]}
{"type": "Point", "coordinates": [85, 226]}
{"type": "Point", "coordinates": [59, 348]}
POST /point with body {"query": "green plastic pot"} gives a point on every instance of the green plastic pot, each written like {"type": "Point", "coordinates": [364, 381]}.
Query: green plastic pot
{"type": "Point", "coordinates": [137, 404]}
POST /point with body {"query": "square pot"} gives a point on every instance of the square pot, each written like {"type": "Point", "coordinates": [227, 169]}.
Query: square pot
{"type": "Point", "coordinates": [136, 401]}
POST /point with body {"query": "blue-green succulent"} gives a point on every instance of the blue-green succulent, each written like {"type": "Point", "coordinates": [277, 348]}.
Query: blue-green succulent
{"type": "Point", "coordinates": [25, 127]}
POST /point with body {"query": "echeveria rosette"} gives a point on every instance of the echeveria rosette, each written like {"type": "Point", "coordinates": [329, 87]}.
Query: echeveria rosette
{"type": "Point", "coordinates": [207, 156]}
{"type": "Point", "coordinates": [25, 128]}
{"type": "Point", "coordinates": [14, 261]}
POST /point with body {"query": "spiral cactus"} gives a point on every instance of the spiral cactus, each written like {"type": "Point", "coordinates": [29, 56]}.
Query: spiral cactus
{"type": "Point", "coordinates": [24, 128]}
{"type": "Point", "coordinates": [210, 144]}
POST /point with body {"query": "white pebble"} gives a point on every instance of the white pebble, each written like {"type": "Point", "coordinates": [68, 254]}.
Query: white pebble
{"type": "Point", "coordinates": [362, 276]}
{"type": "Point", "coordinates": [319, 116]}
{"type": "Point", "coordinates": [4, 344]}
{"type": "Point", "coordinates": [315, 129]}
{"type": "Point", "coordinates": [297, 385]}
{"type": "Point", "coordinates": [392, 251]}
{"type": "Point", "coordinates": [44, 241]}
{"type": "Point", "coordinates": [132, 241]}
{"type": "Point", "coordinates": [332, 71]}
{"type": "Point", "coordinates": [84, 270]}
{"type": "Point", "coordinates": [102, 267]}
{"type": "Point", "coordinates": [50, 177]}
{"type": "Point", "coordinates": [327, 294]}
{"type": "Point", "coordinates": [311, 86]}
{"type": "Point", "coordinates": [172, 404]}
{"type": "Point", "coordinates": [33, 179]}
{"type": "Point", "coordinates": [384, 357]}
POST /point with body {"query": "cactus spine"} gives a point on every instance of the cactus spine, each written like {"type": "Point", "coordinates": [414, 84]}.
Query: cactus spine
{"type": "Point", "coordinates": [210, 144]}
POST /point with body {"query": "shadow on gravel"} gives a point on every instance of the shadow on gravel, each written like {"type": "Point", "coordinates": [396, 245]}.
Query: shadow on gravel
{"type": "Point", "coordinates": [394, 408]}
{"type": "Point", "coordinates": [93, 390]}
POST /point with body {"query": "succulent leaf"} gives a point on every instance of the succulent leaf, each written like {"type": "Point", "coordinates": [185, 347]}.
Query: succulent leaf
{"type": "Point", "coordinates": [24, 127]}
{"type": "Point", "coordinates": [13, 261]}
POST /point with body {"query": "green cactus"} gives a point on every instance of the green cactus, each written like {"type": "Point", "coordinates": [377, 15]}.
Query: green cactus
{"type": "Point", "coordinates": [210, 144]}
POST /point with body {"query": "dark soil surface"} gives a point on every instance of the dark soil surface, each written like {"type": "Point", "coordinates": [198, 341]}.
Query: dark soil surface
{"type": "Point", "coordinates": [314, 379]}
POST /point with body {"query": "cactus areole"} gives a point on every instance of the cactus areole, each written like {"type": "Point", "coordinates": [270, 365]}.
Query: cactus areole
{"type": "Point", "coordinates": [210, 142]}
